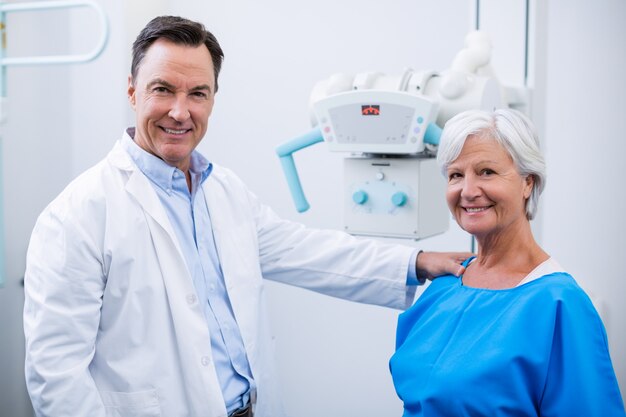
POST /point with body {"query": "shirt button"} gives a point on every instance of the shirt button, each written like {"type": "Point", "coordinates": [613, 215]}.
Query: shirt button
{"type": "Point", "coordinates": [205, 360]}
{"type": "Point", "coordinates": [191, 299]}
{"type": "Point", "coordinates": [212, 287]}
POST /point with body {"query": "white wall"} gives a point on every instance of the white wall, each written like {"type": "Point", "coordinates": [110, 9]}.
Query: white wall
{"type": "Point", "coordinates": [36, 145]}
{"type": "Point", "coordinates": [584, 207]}
{"type": "Point", "coordinates": [332, 354]}
{"type": "Point", "coordinates": [97, 92]}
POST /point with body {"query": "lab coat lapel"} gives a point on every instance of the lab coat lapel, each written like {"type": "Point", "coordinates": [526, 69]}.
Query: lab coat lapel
{"type": "Point", "coordinates": [164, 239]}
{"type": "Point", "coordinates": [140, 188]}
{"type": "Point", "coordinates": [176, 276]}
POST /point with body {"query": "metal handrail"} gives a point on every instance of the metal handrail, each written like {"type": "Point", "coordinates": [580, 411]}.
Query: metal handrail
{"type": "Point", "coordinates": [58, 59]}
{"type": "Point", "coordinates": [39, 60]}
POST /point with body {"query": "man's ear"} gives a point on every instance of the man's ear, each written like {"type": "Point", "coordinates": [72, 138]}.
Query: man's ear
{"type": "Point", "coordinates": [131, 92]}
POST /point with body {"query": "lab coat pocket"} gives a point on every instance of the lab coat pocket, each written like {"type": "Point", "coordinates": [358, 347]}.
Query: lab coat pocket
{"type": "Point", "coordinates": [131, 404]}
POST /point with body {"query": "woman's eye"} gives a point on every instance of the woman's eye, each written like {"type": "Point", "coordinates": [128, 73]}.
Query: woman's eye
{"type": "Point", "coordinates": [453, 176]}
{"type": "Point", "coordinates": [487, 171]}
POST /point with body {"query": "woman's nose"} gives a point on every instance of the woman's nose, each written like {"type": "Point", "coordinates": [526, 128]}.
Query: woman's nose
{"type": "Point", "coordinates": [471, 188]}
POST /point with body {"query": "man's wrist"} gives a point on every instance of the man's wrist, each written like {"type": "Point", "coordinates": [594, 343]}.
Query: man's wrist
{"type": "Point", "coordinates": [420, 280]}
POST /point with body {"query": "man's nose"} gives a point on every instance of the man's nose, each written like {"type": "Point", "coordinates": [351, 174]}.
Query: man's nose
{"type": "Point", "coordinates": [180, 109]}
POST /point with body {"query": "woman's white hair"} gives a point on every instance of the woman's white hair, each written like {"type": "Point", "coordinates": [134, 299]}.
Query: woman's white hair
{"type": "Point", "coordinates": [511, 129]}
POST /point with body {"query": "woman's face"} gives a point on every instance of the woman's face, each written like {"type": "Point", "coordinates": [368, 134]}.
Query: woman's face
{"type": "Point", "coordinates": [485, 192]}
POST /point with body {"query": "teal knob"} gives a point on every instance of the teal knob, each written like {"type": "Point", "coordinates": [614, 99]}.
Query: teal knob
{"type": "Point", "coordinates": [359, 197]}
{"type": "Point", "coordinates": [399, 199]}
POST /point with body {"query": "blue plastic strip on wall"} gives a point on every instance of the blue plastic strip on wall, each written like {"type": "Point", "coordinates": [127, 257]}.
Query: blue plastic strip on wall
{"type": "Point", "coordinates": [2, 109]}
{"type": "Point", "coordinates": [2, 264]}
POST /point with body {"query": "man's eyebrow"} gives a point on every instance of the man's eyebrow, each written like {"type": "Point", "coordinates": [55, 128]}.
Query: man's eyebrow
{"type": "Point", "coordinates": [159, 81]}
{"type": "Point", "coordinates": [202, 87]}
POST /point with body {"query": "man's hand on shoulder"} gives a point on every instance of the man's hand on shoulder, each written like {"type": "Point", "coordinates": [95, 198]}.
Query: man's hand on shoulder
{"type": "Point", "coordinates": [430, 265]}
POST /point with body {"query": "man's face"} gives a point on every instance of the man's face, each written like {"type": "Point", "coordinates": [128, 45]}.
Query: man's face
{"type": "Point", "coordinates": [172, 95]}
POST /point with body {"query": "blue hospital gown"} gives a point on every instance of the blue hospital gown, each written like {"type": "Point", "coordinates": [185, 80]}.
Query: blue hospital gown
{"type": "Point", "coordinates": [538, 349]}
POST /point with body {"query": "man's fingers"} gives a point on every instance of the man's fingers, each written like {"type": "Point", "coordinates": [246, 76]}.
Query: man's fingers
{"type": "Point", "coordinates": [460, 270]}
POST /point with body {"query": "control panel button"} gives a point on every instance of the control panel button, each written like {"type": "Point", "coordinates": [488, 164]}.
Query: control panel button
{"type": "Point", "coordinates": [359, 197]}
{"type": "Point", "coordinates": [399, 199]}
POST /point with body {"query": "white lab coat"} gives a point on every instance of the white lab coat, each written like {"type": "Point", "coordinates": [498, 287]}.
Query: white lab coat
{"type": "Point", "coordinates": [112, 321]}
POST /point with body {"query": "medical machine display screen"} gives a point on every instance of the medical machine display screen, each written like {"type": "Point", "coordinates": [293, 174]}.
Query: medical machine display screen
{"type": "Point", "coordinates": [373, 123]}
{"type": "Point", "coordinates": [370, 110]}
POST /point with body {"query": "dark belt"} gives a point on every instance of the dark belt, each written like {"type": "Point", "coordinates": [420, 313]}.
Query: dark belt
{"type": "Point", "coordinates": [243, 412]}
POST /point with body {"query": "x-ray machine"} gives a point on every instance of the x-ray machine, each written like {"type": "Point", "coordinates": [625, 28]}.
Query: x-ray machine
{"type": "Point", "coordinates": [390, 126]}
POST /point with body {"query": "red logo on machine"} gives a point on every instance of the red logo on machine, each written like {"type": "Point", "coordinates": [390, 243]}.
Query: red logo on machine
{"type": "Point", "coordinates": [370, 110]}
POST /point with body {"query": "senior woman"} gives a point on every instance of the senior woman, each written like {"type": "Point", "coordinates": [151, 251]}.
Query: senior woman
{"type": "Point", "coordinates": [514, 335]}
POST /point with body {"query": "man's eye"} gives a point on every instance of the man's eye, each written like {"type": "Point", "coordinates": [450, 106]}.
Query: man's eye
{"type": "Point", "coordinates": [200, 94]}
{"type": "Point", "coordinates": [159, 90]}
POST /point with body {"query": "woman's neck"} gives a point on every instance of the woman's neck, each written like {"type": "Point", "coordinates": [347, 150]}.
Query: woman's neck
{"type": "Point", "coordinates": [504, 259]}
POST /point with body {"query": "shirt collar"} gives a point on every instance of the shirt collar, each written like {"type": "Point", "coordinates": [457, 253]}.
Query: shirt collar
{"type": "Point", "coordinates": [157, 170]}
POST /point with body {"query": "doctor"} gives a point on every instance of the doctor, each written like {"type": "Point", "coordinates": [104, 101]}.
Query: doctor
{"type": "Point", "coordinates": [144, 278]}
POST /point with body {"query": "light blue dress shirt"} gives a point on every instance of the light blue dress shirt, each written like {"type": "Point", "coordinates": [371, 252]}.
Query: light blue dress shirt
{"type": "Point", "coordinates": [189, 216]}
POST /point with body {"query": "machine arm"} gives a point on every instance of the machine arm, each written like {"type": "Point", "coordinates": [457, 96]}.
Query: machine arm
{"type": "Point", "coordinates": [285, 153]}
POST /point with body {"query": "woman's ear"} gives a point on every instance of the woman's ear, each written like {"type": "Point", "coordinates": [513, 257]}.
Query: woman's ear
{"type": "Point", "coordinates": [529, 183]}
